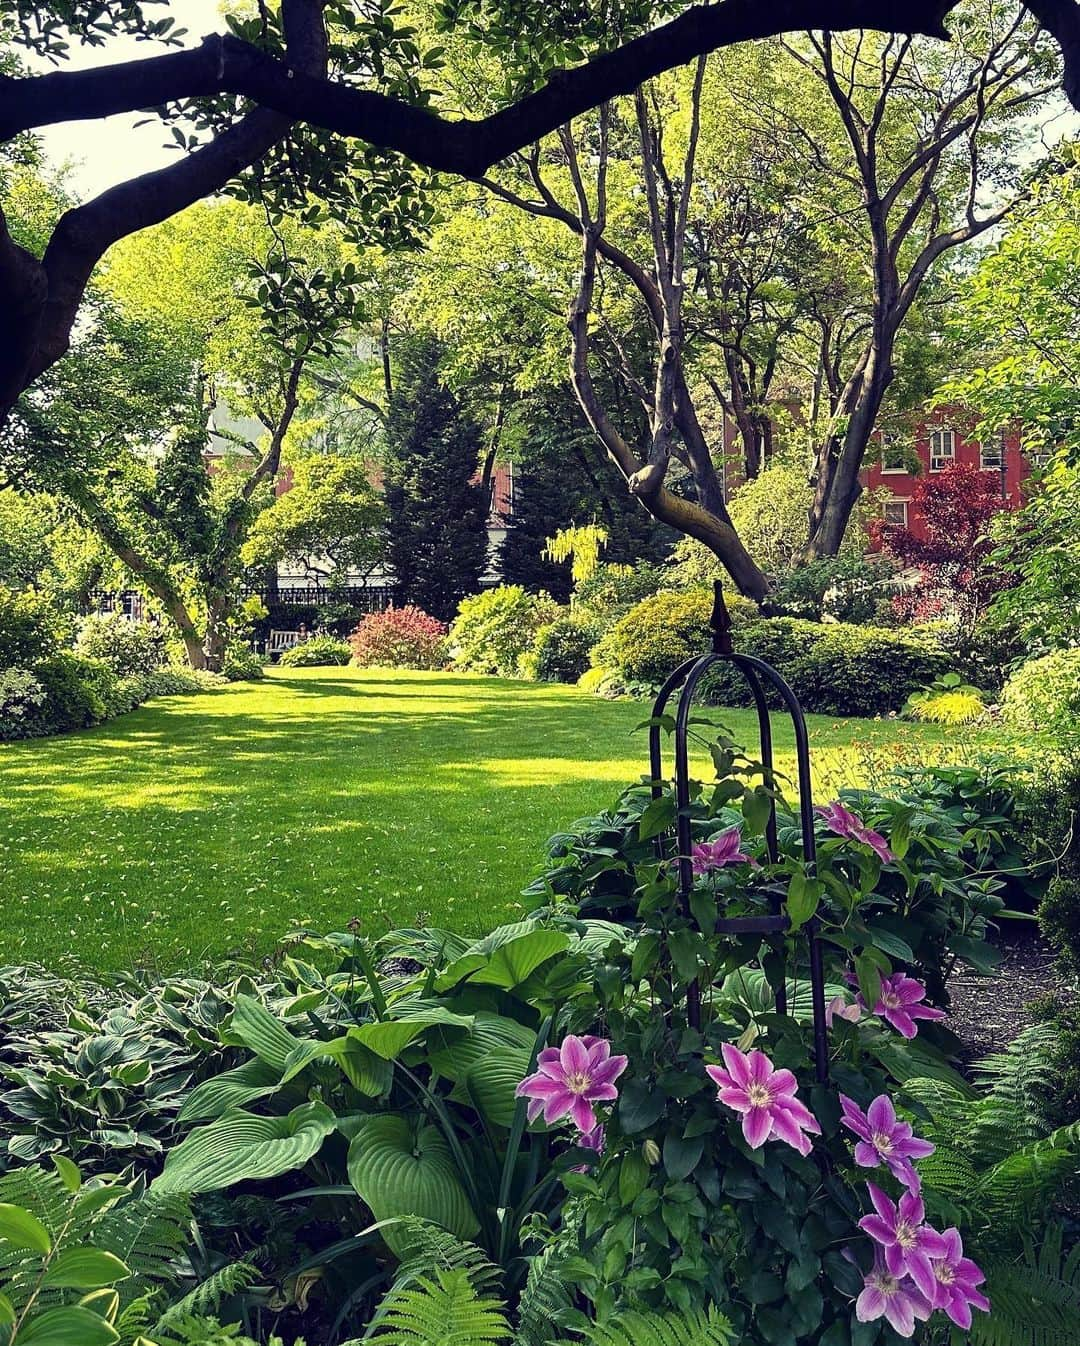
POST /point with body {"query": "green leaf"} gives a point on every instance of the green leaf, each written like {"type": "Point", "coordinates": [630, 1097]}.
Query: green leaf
{"type": "Point", "coordinates": [69, 1172]}
{"type": "Point", "coordinates": [681, 1156]}
{"type": "Point", "coordinates": [455, 1055]}
{"type": "Point", "coordinates": [23, 1230]}
{"type": "Point", "coordinates": [506, 957]}
{"type": "Point", "coordinates": [240, 1146]}
{"type": "Point", "coordinates": [389, 1038]}
{"type": "Point", "coordinates": [254, 1079]}
{"type": "Point", "coordinates": [400, 1166]}
{"type": "Point", "coordinates": [892, 944]}
{"type": "Point", "coordinates": [7, 1311]}
{"type": "Point", "coordinates": [72, 1326]}
{"type": "Point", "coordinates": [659, 816]}
{"type": "Point", "coordinates": [869, 977]}
{"type": "Point", "coordinates": [266, 1036]}
{"type": "Point", "coordinates": [802, 900]}
{"type": "Point", "coordinates": [85, 1269]}
{"type": "Point", "coordinates": [640, 1106]}
{"type": "Point", "coordinates": [492, 1082]}
{"type": "Point", "coordinates": [756, 807]}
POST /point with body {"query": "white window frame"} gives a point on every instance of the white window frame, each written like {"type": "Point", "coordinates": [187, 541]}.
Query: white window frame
{"type": "Point", "coordinates": [939, 458]}
{"type": "Point", "coordinates": [995, 462]}
{"type": "Point", "coordinates": [903, 502]}
{"type": "Point", "coordinates": [889, 442]}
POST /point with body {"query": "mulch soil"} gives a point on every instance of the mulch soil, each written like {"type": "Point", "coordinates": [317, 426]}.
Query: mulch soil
{"type": "Point", "coordinates": [987, 1013]}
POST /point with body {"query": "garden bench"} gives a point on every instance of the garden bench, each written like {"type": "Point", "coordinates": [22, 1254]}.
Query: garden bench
{"type": "Point", "coordinates": [280, 641]}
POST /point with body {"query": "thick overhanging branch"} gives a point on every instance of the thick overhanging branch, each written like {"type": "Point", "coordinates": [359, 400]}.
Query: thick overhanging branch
{"type": "Point", "coordinates": [225, 64]}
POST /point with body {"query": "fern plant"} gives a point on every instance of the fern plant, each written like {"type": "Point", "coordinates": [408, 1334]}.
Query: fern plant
{"type": "Point", "coordinates": [696, 1328]}
{"type": "Point", "coordinates": [446, 1311]}
{"type": "Point", "coordinates": [1036, 1298]}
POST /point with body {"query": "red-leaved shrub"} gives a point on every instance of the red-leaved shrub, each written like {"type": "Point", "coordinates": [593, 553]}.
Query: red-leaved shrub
{"type": "Point", "coordinates": [399, 638]}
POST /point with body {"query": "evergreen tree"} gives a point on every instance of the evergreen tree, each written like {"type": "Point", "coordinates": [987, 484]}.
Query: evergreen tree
{"type": "Point", "coordinates": [560, 480]}
{"type": "Point", "coordinates": [436, 510]}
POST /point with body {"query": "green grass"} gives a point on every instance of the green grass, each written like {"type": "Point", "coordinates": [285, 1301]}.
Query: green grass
{"type": "Point", "coordinates": [198, 826]}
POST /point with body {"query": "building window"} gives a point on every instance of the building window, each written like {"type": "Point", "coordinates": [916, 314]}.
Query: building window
{"type": "Point", "coordinates": [942, 449]}
{"type": "Point", "coordinates": [992, 455]}
{"type": "Point", "coordinates": [896, 512]}
{"type": "Point", "coordinates": [893, 458]}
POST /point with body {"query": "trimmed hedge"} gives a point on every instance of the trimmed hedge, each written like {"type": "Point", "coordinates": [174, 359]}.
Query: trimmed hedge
{"type": "Point", "coordinates": [834, 668]}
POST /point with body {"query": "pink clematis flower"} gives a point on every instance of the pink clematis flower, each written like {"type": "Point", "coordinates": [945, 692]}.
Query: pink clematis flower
{"type": "Point", "coordinates": [957, 1276]}
{"type": "Point", "coordinates": [709, 855]}
{"type": "Point", "coordinates": [592, 1140]}
{"type": "Point", "coordinates": [847, 824]}
{"type": "Point", "coordinates": [765, 1097]}
{"type": "Point", "coordinates": [839, 1008]}
{"type": "Point", "coordinates": [896, 1300]}
{"type": "Point", "coordinates": [899, 1004]}
{"type": "Point", "coordinates": [908, 1244]}
{"type": "Point", "coordinates": [570, 1078]}
{"type": "Point", "coordinates": [884, 1140]}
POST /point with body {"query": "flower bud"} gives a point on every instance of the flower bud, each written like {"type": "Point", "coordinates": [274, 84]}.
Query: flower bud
{"type": "Point", "coordinates": [650, 1152]}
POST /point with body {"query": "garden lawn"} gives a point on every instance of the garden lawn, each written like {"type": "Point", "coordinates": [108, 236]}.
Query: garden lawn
{"type": "Point", "coordinates": [199, 826]}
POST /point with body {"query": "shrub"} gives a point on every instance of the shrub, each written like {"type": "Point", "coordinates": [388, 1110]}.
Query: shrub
{"type": "Point", "coordinates": [242, 664]}
{"type": "Point", "coordinates": [598, 681]}
{"type": "Point", "coordinates": [77, 692]}
{"type": "Point", "coordinates": [399, 638]}
{"type": "Point", "coordinates": [125, 645]}
{"type": "Point", "coordinates": [946, 701]}
{"type": "Point", "coordinates": [846, 588]}
{"type": "Point", "coordinates": [656, 636]}
{"type": "Point", "coordinates": [866, 670]}
{"type": "Point", "coordinates": [614, 589]}
{"type": "Point", "coordinates": [28, 628]}
{"type": "Point", "coordinates": [493, 629]}
{"type": "Point", "coordinates": [561, 650]}
{"type": "Point", "coordinates": [1044, 694]}
{"type": "Point", "coordinates": [22, 697]}
{"type": "Point", "coordinates": [317, 652]}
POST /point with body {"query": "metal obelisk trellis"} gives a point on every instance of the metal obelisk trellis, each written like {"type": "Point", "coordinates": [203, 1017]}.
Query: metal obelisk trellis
{"type": "Point", "coordinates": [757, 673]}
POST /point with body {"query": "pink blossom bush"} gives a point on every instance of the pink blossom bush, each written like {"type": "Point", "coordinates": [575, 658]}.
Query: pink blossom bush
{"type": "Point", "coordinates": [399, 638]}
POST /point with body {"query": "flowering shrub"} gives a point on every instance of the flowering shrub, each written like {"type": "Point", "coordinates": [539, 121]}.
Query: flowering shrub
{"type": "Point", "coordinates": [121, 643]}
{"type": "Point", "coordinates": [1044, 694]}
{"type": "Point", "coordinates": [399, 638]}
{"type": "Point", "coordinates": [21, 698]}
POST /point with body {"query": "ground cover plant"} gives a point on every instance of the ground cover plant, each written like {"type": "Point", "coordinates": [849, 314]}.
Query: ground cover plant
{"type": "Point", "coordinates": [199, 825]}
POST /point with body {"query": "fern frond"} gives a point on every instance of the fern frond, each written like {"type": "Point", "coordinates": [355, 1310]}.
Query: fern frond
{"type": "Point", "coordinates": [544, 1299]}
{"type": "Point", "coordinates": [442, 1312]}
{"type": "Point", "coordinates": [697, 1328]}
{"type": "Point", "coordinates": [208, 1294]}
{"type": "Point", "coordinates": [1025, 1179]}
{"type": "Point", "coordinates": [1011, 1113]}
{"type": "Point", "coordinates": [423, 1248]}
{"type": "Point", "coordinates": [1034, 1302]}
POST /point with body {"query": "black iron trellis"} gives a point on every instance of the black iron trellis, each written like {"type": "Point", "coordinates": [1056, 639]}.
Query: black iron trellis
{"type": "Point", "coordinates": [755, 671]}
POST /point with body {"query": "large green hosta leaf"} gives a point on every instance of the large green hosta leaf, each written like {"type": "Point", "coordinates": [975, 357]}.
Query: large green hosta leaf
{"type": "Point", "coordinates": [254, 1079]}
{"type": "Point", "coordinates": [491, 1084]}
{"type": "Point", "coordinates": [389, 1038]}
{"type": "Point", "coordinates": [402, 1166]}
{"type": "Point", "coordinates": [254, 1026]}
{"type": "Point", "coordinates": [506, 957]}
{"type": "Point", "coordinates": [454, 1055]}
{"type": "Point", "coordinates": [239, 1146]}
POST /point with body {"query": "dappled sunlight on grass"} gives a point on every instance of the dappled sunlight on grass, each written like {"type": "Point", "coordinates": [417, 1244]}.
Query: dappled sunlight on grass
{"type": "Point", "coordinates": [199, 825]}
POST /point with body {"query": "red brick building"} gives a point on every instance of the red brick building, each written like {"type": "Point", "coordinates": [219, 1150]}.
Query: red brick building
{"type": "Point", "coordinates": [946, 436]}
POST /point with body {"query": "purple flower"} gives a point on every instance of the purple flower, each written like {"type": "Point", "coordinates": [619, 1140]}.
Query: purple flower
{"type": "Point", "coordinates": [909, 1245]}
{"type": "Point", "coordinates": [765, 1097]}
{"type": "Point", "coordinates": [838, 1008]}
{"type": "Point", "coordinates": [884, 1140]}
{"type": "Point", "coordinates": [957, 1276]}
{"type": "Point", "coordinates": [570, 1078]}
{"type": "Point", "coordinates": [896, 1300]}
{"type": "Point", "coordinates": [847, 824]}
{"type": "Point", "coordinates": [591, 1140]}
{"type": "Point", "coordinates": [709, 855]}
{"type": "Point", "coordinates": [898, 1003]}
